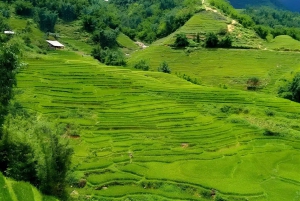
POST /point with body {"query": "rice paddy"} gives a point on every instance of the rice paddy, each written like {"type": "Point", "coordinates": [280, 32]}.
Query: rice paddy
{"type": "Point", "coordinates": [154, 136]}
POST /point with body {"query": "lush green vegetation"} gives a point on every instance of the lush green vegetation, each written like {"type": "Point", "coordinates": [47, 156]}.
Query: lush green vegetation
{"type": "Point", "coordinates": [186, 118]}
{"type": "Point", "coordinates": [148, 135]}
{"type": "Point", "coordinates": [12, 190]}
{"type": "Point", "coordinates": [275, 22]}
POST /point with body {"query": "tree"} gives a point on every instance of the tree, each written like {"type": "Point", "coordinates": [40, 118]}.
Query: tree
{"type": "Point", "coordinates": [23, 8]}
{"type": "Point", "coordinates": [67, 12]}
{"type": "Point", "coordinates": [181, 40]}
{"type": "Point", "coordinates": [46, 19]}
{"type": "Point", "coordinates": [105, 38]}
{"type": "Point", "coordinates": [295, 88]}
{"type": "Point", "coordinates": [109, 56]}
{"type": "Point", "coordinates": [9, 63]}
{"type": "Point", "coordinates": [225, 42]}
{"type": "Point", "coordinates": [211, 40]}
{"type": "Point", "coordinates": [164, 67]}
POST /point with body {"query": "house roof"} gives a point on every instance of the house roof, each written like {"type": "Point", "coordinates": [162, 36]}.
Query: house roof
{"type": "Point", "coordinates": [55, 43]}
{"type": "Point", "coordinates": [9, 32]}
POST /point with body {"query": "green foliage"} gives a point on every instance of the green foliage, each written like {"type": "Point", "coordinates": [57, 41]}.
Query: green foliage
{"type": "Point", "coordinates": [46, 19]}
{"type": "Point", "coordinates": [23, 8]}
{"type": "Point", "coordinates": [32, 150]}
{"type": "Point", "coordinates": [274, 21]}
{"type": "Point", "coordinates": [3, 24]}
{"type": "Point", "coordinates": [164, 67]}
{"type": "Point", "coordinates": [225, 6]}
{"type": "Point", "coordinates": [262, 31]}
{"type": "Point", "coordinates": [142, 65]}
{"type": "Point", "coordinates": [109, 56]}
{"type": "Point", "coordinates": [211, 40]}
{"type": "Point", "coordinates": [225, 42]}
{"type": "Point", "coordinates": [105, 38]}
{"type": "Point", "coordinates": [181, 40]}
{"type": "Point", "coordinates": [253, 83]}
{"type": "Point", "coordinates": [294, 88]}
{"type": "Point", "coordinates": [9, 63]}
{"type": "Point", "coordinates": [68, 11]}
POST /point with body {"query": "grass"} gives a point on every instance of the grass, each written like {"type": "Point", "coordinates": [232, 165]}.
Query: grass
{"type": "Point", "coordinates": [150, 135]}
{"type": "Point", "coordinates": [126, 42]}
{"type": "Point", "coordinates": [222, 67]}
{"type": "Point", "coordinates": [11, 190]}
{"type": "Point", "coordinates": [284, 43]}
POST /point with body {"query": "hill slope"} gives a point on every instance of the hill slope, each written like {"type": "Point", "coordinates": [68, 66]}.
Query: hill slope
{"type": "Point", "coordinates": [147, 135]}
{"type": "Point", "coordinates": [20, 191]}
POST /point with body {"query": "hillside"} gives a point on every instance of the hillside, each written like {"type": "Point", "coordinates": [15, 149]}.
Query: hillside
{"type": "Point", "coordinates": [199, 133]}
{"type": "Point", "coordinates": [20, 191]}
{"type": "Point", "coordinates": [184, 139]}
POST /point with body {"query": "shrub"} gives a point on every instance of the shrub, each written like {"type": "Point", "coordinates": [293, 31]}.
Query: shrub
{"type": "Point", "coordinates": [181, 40]}
{"type": "Point", "coordinates": [109, 56]}
{"type": "Point", "coordinates": [211, 40]}
{"type": "Point", "coordinates": [252, 83]}
{"type": "Point", "coordinates": [24, 8]}
{"type": "Point", "coordinates": [291, 90]}
{"type": "Point", "coordinates": [142, 65]}
{"type": "Point", "coordinates": [164, 67]}
{"type": "Point", "coordinates": [268, 132]}
{"type": "Point", "coordinates": [225, 42]}
{"type": "Point", "coordinates": [295, 88]}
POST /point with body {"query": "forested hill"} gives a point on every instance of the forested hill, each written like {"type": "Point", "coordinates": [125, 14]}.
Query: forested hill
{"type": "Point", "coordinates": [292, 5]}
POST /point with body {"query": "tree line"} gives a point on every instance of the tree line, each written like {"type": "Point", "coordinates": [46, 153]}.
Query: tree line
{"type": "Point", "coordinates": [30, 150]}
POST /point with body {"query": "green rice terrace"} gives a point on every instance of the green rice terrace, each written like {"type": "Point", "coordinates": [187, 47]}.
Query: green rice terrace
{"type": "Point", "coordinates": [11, 191]}
{"type": "Point", "coordinates": [152, 136]}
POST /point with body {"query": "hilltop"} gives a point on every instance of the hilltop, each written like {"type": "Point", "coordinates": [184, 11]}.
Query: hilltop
{"type": "Point", "coordinates": [99, 120]}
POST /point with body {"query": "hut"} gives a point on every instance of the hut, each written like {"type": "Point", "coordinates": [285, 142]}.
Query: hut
{"type": "Point", "coordinates": [55, 44]}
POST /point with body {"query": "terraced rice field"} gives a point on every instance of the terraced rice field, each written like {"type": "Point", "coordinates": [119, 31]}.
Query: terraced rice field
{"type": "Point", "coordinates": [20, 191]}
{"type": "Point", "coordinates": [219, 67]}
{"type": "Point", "coordinates": [153, 136]}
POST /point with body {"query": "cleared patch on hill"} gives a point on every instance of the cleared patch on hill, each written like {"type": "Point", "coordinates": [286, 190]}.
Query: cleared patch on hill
{"type": "Point", "coordinates": [150, 135]}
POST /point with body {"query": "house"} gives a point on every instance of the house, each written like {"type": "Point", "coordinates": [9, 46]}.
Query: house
{"type": "Point", "coordinates": [55, 44]}
{"type": "Point", "coordinates": [9, 32]}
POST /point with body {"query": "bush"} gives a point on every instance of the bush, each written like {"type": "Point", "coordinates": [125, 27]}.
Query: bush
{"type": "Point", "coordinates": [268, 132]}
{"type": "Point", "coordinates": [291, 90]}
{"type": "Point", "coordinates": [181, 40]}
{"type": "Point", "coordinates": [211, 40]}
{"type": "Point", "coordinates": [142, 65]}
{"type": "Point", "coordinates": [295, 88]}
{"type": "Point", "coordinates": [252, 83]}
{"type": "Point", "coordinates": [164, 67]}
{"type": "Point", "coordinates": [225, 42]}
{"type": "Point", "coordinates": [109, 56]}
{"type": "Point", "coordinates": [24, 8]}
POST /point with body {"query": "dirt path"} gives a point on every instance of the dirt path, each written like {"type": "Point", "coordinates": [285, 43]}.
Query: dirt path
{"type": "Point", "coordinates": [230, 27]}
{"type": "Point", "coordinates": [141, 45]}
